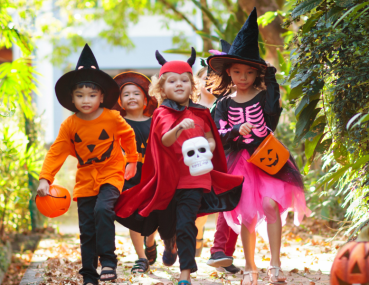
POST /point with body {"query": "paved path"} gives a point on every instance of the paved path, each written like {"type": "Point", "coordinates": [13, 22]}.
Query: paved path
{"type": "Point", "coordinates": [305, 260]}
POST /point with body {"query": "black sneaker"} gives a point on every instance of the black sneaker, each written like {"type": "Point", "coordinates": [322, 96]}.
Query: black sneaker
{"type": "Point", "coordinates": [219, 259]}
{"type": "Point", "coordinates": [231, 269]}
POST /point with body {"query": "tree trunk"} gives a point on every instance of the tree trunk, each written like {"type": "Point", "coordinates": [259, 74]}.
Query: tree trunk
{"type": "Point", "coordinates": [271, 33]}
{"type": "Point", "coordinates": [206, 25]}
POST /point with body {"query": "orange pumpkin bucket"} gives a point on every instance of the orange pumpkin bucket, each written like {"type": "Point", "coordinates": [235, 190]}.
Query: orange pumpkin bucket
{"type": "Point", "coordinates": [56, 203]}
{"type": "Point", "coordinates": [270, 155]}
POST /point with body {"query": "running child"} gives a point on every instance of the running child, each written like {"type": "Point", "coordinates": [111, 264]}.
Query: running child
{"type": "Point", "coordinates": [94, 135]}
{"type": "Point", "coordinates": [168, 197]}
{"type": "Point", "coordinates": [136, 107]}
{"type": "Point", "coordinates": [244, 120]}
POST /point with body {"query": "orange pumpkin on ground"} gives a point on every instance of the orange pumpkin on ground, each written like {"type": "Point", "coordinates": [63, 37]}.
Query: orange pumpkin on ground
{"type": "Point", "coordinates": [351, 265]}
{"type": "Point", "coordinates": [56, 203]}
{"type": "Point", "coordinates": [270, 155]}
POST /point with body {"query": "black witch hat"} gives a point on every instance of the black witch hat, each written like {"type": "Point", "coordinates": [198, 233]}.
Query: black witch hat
{"type": "Point", "coordinates": [87, 70]}
{"type": "Point", "coordinates": [244, 49]}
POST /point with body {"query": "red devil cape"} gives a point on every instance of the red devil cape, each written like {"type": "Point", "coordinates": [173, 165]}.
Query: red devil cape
{"type": "Point", "coordinates": [148, 205]}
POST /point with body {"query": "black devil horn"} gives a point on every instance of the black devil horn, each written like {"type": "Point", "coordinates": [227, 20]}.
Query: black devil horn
{"type": "Point", "coordinates": [192, 59]}
{"type": "Point", "coordinates": [160, 58]}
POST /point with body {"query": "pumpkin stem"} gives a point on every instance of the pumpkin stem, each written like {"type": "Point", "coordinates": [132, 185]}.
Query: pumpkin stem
{"type": "Point", "coordinates": [364, 234]}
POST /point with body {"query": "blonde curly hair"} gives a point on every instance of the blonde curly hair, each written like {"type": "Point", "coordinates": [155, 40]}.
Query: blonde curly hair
{"type": "Point", "coordinates": [157, 85]}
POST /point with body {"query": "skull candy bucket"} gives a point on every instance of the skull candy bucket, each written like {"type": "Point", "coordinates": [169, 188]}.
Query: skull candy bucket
{"type": "Point", "coordinates": [197, 156]}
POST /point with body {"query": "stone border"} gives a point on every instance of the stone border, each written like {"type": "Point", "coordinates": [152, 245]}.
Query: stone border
{"type": "Point", "coordinates": [7, 248]}
{"type": "Point", "coordinates": [30, 276]}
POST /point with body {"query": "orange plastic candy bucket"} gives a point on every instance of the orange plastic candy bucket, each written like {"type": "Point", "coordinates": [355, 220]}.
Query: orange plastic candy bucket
{"type": "Point", "coordinates": [271, 155]}
{"type": "Point", "coordinates": [54, 204]}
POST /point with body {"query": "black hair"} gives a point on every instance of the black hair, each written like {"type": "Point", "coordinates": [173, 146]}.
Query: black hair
{"type": "Point", "coordinates": [93, 86]}
{"type": "Point", "coordinates": [220, 84]}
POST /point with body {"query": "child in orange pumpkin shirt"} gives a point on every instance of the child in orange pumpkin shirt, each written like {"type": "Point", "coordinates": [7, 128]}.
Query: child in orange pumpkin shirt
{"type": "Point", "coordinates": [94, 135]}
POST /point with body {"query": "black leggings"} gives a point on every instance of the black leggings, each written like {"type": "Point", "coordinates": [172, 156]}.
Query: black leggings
{"type": "Point", "coordinates": [96, 224]}
{"type": "Point", "coordinates": [188, 202]}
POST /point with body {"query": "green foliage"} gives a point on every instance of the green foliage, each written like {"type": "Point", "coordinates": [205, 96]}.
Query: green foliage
{"type": "Point", "coordinates": [330, 83]}
{"type": "Point", "coordinates": [21, 146]}
{"type": "Point", "coordinates": [18, 161]}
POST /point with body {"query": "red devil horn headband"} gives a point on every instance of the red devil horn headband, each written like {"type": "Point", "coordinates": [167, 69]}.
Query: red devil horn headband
{"type": "Point", "coordinates": [176, 66]}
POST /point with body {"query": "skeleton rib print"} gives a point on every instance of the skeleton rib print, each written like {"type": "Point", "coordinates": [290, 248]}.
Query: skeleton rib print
{"type": "Point", "coordinates": [252, 114]}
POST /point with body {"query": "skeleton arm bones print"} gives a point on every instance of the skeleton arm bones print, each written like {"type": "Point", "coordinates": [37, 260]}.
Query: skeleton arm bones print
{"type": "Point", "coordinates": [262, 112]}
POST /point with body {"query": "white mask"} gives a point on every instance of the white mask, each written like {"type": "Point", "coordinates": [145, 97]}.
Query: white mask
{"type": "Point", "coordinates": [197, 156]}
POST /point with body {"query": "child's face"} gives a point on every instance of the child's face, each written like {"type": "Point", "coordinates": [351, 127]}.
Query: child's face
{"type": "Point", "coordinates": [132, 98]}
{"type": "Point", "coordinates": [243, 76]}
{"type": "Point", "coordinates": [177, 87]}
{"type": "Point", "coordinates": [87, 100]}
{"type": "Point", "coordinates": [203, 79]}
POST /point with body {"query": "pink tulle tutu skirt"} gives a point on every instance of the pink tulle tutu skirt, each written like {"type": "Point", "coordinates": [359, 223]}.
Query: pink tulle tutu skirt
{"type": "Point", "coordinates": [258, 185]}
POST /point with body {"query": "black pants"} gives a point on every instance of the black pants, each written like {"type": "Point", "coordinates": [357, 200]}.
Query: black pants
{"type": "Point", "coordinates": [96, 224]}
{"type": "Point", "coordinates": [188, 203]}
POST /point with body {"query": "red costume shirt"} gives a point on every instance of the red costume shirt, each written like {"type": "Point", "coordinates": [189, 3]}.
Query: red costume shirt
{"type": "Point", "coordinates": [186, 180]}
{"type": "Point", "coordinates": [96, 145]}
{"type": "Point", "coordinates": [161, 174]}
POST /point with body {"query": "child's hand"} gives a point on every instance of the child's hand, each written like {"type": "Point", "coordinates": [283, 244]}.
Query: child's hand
{"type": "Point", "coordinates": [245, 129]}
{"type": "Point", "coordinates": [131, 170]}
{"type": "Point", "coordinates": [268, 64]}
{"type": "Point", "coordinates": [186, 124]}
{"type": "Point", "coordinates": [43, 188]}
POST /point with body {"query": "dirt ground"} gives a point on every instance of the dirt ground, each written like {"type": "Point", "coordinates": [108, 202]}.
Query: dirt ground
{"type": "Point", "coordinates": [307, 254]}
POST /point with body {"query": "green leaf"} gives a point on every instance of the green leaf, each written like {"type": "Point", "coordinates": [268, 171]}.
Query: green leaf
{"type": "Point", "coordinates": [351, 12]}
{"type": "Point", "coordinates": [305, 120]}
{"type": "Point", "coordinates": [340, 172]}
{"type": "Point", "coordinates": [306, 28]}
{"type": "Point", "coordinates": [305, 7]}
{"type": "Point", "coordinates": [232, 28]}
{"type": "Point", "coordinates": [344, 3]}
{"type": "Point", "coordinates": [295, 92]}
{"type": "Point", "coordinates": [340, 153]}
{"type": "Point", "coordinates": [310, 145]}
{"type": "Point", "coordinates": [316, 88]}
{"type": "Point", "coordinates": [267, 18]}
{"type": "Point", "coordinates": [301, 78]}
{"type": "Point", "coordinates": [315, 131]}
{"type": "Point", "coordinates": [282, 62]}
{"type": "Point", "coordinates": [207, 36]}
{"type": "Point", "coordinates": [333, 14]}
{"type": "Point", "coordinates": [262, 48]}
{"type": "Point", "coordinates": [323, 146]}
{"type": "Point", "coordinates": [304, 102]}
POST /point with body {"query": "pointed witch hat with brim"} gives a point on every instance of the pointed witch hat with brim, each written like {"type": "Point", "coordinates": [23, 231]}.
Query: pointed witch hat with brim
{"type": "Point", "coordinates": [87, 71]}
{"type": "Point", "coordinates": [244, 49]}
{"type": "Point", "coordinates": [143, 82]}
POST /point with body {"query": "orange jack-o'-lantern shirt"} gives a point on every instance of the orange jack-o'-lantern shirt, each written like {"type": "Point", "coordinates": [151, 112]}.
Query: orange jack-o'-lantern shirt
{"type": "Point", "coordinates": [97, 146]}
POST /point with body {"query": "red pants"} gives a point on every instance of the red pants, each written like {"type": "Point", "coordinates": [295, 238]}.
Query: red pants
{"type": "Point", "coordinates": [225, 238]}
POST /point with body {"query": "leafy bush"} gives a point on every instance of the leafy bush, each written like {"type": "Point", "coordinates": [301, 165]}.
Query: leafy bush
{"type": "Point", "coordinates": [330, 84]}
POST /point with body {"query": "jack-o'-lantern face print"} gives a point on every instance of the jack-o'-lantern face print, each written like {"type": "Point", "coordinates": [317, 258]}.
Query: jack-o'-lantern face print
{"type": "Point", "coordinates": [351, 265]}
{"type": "Point", "coordinates": [88, 153]}
{"type": "Point", "coordinates": [271, 159]}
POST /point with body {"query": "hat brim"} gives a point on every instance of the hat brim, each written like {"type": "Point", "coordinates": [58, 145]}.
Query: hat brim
{"type": "Point", "coordinates": [63, 87]}
{"type": "Point", "coordinates": [217, 62]}
{"type": "Point", "coordinates": [143, 82]}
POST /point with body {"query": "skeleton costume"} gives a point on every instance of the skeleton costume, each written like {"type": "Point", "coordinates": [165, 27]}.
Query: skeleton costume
{"type": "Point", "coordinates": [263, 112]}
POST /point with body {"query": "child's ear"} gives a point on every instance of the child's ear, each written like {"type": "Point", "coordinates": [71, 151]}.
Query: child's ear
{"type": "Point", "coordinates": [102, 98]}
{"type": "Point", "coordinates": [228, 71]}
